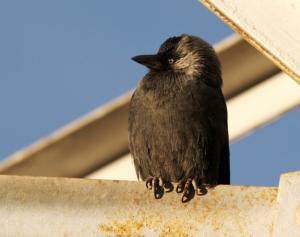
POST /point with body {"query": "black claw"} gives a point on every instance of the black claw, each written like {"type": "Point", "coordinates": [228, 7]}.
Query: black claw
{"type": "Point", "coordinates": [153, 183]}
{"type": "Point", "coordinates": [158, 190]}
{"type": "Point", "coordinates": [184, 198]}
{"type": "Point", "coordinates": [155, 186]}
{"type": "Point", "coordinates": [187, 188]}
{"type": "Point", "coordinates": [168, 186]}
{"type": "Point", "coordinates": [188, 193]}
{"type": "Point", "coordinates": [201, 190]}
{"type": "Point", "coordinates": [179, 188]}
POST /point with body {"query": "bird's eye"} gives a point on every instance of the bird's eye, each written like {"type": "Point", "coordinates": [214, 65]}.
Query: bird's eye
{"type": "Point", "coordinates": [171, 60]}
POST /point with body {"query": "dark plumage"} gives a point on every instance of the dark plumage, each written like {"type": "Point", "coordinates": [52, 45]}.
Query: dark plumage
{"type": "Point", "coordinates": [178, 118]}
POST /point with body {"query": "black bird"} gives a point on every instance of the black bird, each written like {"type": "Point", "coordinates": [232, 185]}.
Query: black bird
{"type": "Point", "coordinates": [178, 119]}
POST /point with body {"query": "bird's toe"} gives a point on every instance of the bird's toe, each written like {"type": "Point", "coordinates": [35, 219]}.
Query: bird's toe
{"type": "Point", "coordinates": [168, 186]}
{"type": "Point", "coordinates": [154, 183]}
{"type": "Point", "coordinates": [188, 190]}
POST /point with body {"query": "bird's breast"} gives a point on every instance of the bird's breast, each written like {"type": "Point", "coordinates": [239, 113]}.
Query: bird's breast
{"type": "Point", "coordinates": [163, 91]}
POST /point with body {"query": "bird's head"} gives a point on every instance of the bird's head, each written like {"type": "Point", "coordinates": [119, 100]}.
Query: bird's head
{"type": "Point", "coordinates": [184, 54]}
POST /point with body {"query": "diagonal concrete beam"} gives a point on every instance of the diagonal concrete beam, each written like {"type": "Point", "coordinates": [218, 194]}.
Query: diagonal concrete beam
{"type": "Point", "coordinates": [262, 104]}
{"type": "Point", "coordinates": [270, 26]}
{"type": "Point", "coordinates": [78, 148]}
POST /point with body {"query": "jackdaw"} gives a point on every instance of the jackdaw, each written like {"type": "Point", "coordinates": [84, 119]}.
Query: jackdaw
{"type": "Point", "coordinates": [178, 119]}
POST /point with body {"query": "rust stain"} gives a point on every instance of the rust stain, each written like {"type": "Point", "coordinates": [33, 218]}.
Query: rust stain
{"type": "Point", "coordinates": [223, 210]}
{"type": "Point", "coordinates": [176, 230]}
{"type": "Point", "coordinates": [216, 212]}
{"type": "Point", "coordinates": [134, 228]}
{"type": "Point", "coordinates": [123, 229]}
{"type": "Point", "coordinates": [106, 228]}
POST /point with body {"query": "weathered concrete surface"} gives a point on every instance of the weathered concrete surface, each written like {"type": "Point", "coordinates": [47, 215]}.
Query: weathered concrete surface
{"type": "Point", "coordinates": [31, 206]}
{"type": "Point", "coordinates": [270, 26]}
{"type": "Point", "coordinates": [288, 221]}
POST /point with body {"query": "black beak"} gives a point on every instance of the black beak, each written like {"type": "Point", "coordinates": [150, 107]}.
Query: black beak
{"type": "Point", "coordinates": [151, 61]}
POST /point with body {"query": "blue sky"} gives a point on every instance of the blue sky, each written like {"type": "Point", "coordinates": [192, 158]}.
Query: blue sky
{"type": "Point", "coordinates": [61, 59]}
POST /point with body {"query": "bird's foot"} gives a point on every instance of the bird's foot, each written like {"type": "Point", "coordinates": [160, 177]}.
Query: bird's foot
{"type": "Point", "coordinates": [159, 186]}
{"type": "Point", "coordinates": [188, 188]}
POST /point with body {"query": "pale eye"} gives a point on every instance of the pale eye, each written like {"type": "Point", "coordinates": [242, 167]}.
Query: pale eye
{"type": "Point", "coordinates": [171, 60]}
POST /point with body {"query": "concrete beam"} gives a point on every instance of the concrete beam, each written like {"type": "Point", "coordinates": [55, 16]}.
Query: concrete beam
{"type": "Point", "coordinates": [32, 206]}
{"type": "Point", "coordinates": [288, 219]}
{"type": "Point", "coordinates": [242, 65]}
{"type": "Point", "coordinates": [261, 104]}
{"type": "Point", "coordinates": [270, 26]}
{"type": "Point", "coordinates": [78, 148]}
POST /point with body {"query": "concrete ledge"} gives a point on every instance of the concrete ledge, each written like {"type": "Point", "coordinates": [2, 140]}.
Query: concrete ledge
{"type": "Point", "coordinates": [32, 206]}
{"type": "Point", "coordinates": [288, 220]}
